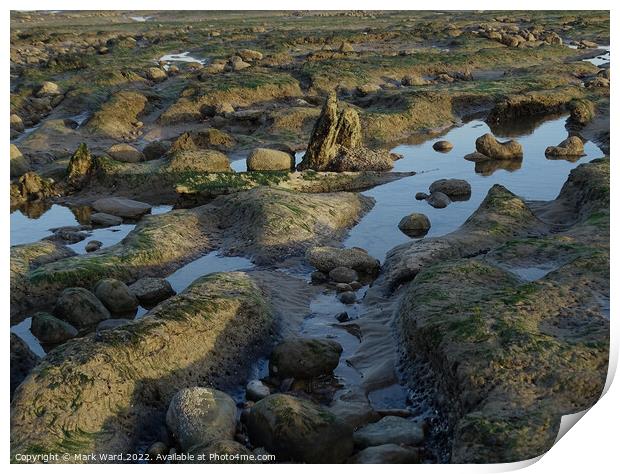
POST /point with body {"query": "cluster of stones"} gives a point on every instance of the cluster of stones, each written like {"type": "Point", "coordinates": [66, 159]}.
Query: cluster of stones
{"type": "Point", "coordinates": [515, 37]}
{"type": "Point", "coordinates": [343, 268]}
{"type": "Point", "coordinates": [280, 417]}
{"type": "Point", "coordinates": [108, 306]}
{"type": "Point", "coordinates": [47, 96]}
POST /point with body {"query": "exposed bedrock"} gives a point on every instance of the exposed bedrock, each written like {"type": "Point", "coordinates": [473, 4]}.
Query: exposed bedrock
{"type": "Point", "coordinates": [204, 336]}
{"type": "Point", "coordinates": [511, 310]}
{"type": "Point", "coordinates": [268, 225]}
{"type": "Point", "coordinates": [519, 335]}
{"type": "Point", "coordinates": [336, 143]}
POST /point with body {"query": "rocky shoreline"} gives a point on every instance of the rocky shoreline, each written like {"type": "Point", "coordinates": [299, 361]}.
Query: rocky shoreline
{"type": "Point", "coordinates": [466, 347]}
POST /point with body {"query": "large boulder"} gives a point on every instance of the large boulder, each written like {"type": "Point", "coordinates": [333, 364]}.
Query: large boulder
{"type": "Point", "coordinates": [342, 275]}
{"type": "Point", "coordinates": [122, 207]}
{"type": "Point", "coordinates": [572, 146]}
{"type": "Point", "coordinates": [390, 430]}
{"type": "Point", "coordinates": [326, 259]}
{"type": "Point", "coordinates": [200, 415]}
{"type": "Point", "coordinates": [334, 129]}
{"type": "Point", "coordinates": [488, 145]}
{"type": "Point", "coordinates": [125, 153]}
{"type": "Point", "coordinates": [48, 89]}
{"type": "Point", "coordinates": [201, 161]}
{"type": "Point", "coordinates": [17, 123]}
{"type": "Point", "coordinates": [438, 200]}
{"type": "Point", "coordinates": [156, 150]}
{"type": "Point", "coordinates": [299, 430]}
{"type": "Point", "coordinates": [150, 291]}
{"type": "Point", "coordinates": [80, 308]}
{"type": "Point", "coordinates": [19, 164]}
{"type": "Point", "coordinates": [264, 159]}
{"type": "Point", "coordinates": [22, 361]}
{"type": "Point", "coordinates": [443, 146]}
{"type": "Point", "coordinates": [455, 189]}
{"type": "Point", "coordinates": [304, 358]}
{"type": "Point", "coordinates": [50, 330]}
{"type": "Point", "coordinates": [115, 295]}
{"type": "Point", "coordinates": [415, 225]}
{"type": "Point", "coordinates": [156, 74]}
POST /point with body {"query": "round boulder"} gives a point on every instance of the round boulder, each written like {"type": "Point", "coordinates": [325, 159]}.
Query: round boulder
{"type": "Point", "coordinates": [50, 330]}
{"type": "Point", "coordinates": [80, 307]}
{"type": "Point", "coordinates": [347, 297]}
{"type": "Point", "coordinates": [443, 146]}
{"type": "Point", "coordinates": [299, 430]}
{"type": "Point", "coordinates": [17, 123]}
{"type": "Point", "coordinates": [19, 164]}
{"type": "Point", "coordinates": [414, 225]}
{"type": "Point", "coordinates": [48, 89]}
{"type": "Point", "coordinates": [264, 159]}
{"type": "Point", "coordinates": [343, 275]}
{"type": "Point", "coordinates": [156, 74]}
{"type": "Point", "coordinates": [200, 161]}
{"type": "Point", "coordinates": [438, 200]}
{"type": "Point", "coordinates": [115, 295]}
{"type": "Point", "coordinates": [455, 189]}
{"type": "Point", "coordinates": [572, 146]}
{"type": "Point", "coordinates": [151, 291]}
{"type": "Point", "coordinates": [325, 259]}
{"type": "Point", "coordinates": [489, 146]}
{"type": "Point", "coordinates": [200, 415]}
{"type": "Point", "coordinates": [256, 390]}
{"type": "Point", "coordinates": [125, 153]}
{"type": "Point", "coordinates": [304, 358]}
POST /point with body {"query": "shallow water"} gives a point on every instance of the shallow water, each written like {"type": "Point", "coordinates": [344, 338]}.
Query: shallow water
{"type": "Point", "coordinates": [538, 178]}
{"type": "Point", "coordinates": [181, 58]}
{"type": "Point", "coordinates": [212, 262]}
{"type": "Point", "coordinates": [26, 229]}
{"type": "Point", "coordinates": [140, 19]}
{"type": "Point", "coordinates": [599, 59]}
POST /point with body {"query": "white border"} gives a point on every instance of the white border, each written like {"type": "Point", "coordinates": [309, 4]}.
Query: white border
{"type": "Point", "coordinates": [590, 447]}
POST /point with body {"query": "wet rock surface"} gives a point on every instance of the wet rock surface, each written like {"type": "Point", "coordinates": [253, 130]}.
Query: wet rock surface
{"type": "Point", "coordinates": [81, 308]}
{"type": "Point", "coordinates": [304, 358]}
{"type": "Point", "coordinates": [115, 296]}
{"type": "Point", "coordinates": [299, 430]}
{"type": "Point", "coordinates": [492, 350]}
{"type": "Point", "coordinates": [199, 416]}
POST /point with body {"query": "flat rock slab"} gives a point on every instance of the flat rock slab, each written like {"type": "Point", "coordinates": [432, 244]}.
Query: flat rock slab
{"type": "Point", "coordinates": [103, 219]}
{"type": "Point", "coordinates": [122, 207]}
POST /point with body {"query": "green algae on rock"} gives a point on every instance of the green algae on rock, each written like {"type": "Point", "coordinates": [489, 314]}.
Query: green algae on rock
{"type": "Point", "coordinates": [66, 404]}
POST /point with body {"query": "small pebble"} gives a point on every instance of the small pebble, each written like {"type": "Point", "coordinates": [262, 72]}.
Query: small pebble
{"type": "Point", "coordinates": [343, 317]}
{"type": "Point", "coordinates": [348, 297]}
{"type": "Point", "coordinates": [93, 245]}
